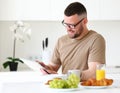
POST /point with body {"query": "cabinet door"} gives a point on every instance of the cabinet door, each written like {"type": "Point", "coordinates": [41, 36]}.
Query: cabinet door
{"type": "Point", "coordinates": [8, 10]}
{"type": "Point", "coordinates": [25, 10]}
{"type": "Point", "coordinates": [34, 9]}
{"type": "Point", "coordinates": [109, 9]}
{"type": "Point", "coordinates": [92, 7]}
{"type": "Point", "coordinates": [58, 7]}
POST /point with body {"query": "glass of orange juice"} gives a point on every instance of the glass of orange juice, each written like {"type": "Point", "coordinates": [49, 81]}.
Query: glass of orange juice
{"type": "Point", "coordinates": [100, 72]}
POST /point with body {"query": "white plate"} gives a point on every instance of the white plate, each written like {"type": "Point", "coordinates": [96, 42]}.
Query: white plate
{"type": "Point", "coordinates": [63, 90]}
{"type": "Point", "coordinates": [95, 87]}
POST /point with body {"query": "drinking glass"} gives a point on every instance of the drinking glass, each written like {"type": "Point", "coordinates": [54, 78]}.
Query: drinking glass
{"type": "Point", "coordinates": [100, 71]}
{"type": "Point", "coordinates": [75, 71]}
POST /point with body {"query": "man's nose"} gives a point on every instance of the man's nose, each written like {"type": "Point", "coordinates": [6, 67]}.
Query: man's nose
{"type": "Point", "coordinates": [68, 28]}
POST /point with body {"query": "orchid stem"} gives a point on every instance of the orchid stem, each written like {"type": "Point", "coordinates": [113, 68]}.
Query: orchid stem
{"type": "Point", "coordinates": [14, 44]}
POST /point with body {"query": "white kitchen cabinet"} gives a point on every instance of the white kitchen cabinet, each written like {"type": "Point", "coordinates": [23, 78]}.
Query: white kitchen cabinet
{"type": "Point", "coordinates": [109, 10]}
{"type": "Point", "coordinates": [25, 10]}
{"type": "Point", "coordinates": [54, 9]}
{"type": "Point", "coordinates": [58, 7]}
{"type": "Point", "coordinates": [8, 9]}
{"type": "Point", "coordinates": [92, 7]}
{"type": "Point", "coordinates": [34, 9]}
{"type": "Point", "coordinates": [97, 9]}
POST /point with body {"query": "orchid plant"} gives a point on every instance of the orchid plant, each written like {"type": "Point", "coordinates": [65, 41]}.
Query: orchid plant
{"type": "Point", "coordinates": [21, 32]}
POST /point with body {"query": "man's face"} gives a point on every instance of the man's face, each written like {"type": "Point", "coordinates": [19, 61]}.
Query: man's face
{"type": "Point", "coordinates": [73, 25]}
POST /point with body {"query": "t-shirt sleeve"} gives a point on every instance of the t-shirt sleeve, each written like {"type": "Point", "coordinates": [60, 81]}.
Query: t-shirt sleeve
{"type": "Point", "coordinates": [56, 56]}
{"type": "Point", "coordinates": [97, 50]}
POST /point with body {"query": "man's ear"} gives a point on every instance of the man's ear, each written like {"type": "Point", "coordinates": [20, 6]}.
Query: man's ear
{"type": "Point", "coordinates": [85, 20]}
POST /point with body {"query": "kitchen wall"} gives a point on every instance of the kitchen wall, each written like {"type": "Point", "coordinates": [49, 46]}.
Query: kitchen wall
{"type": "Point", "coordinates": [32, 49]}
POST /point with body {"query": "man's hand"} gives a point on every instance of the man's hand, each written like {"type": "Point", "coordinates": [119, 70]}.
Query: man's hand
{"type": "Point", "coordinates": [46, 69]}
{"type": "Point", "coordinates": [42, 64]}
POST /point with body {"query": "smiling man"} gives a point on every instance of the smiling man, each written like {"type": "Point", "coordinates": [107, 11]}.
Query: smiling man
{"type": "Point", "coordinates": [80, 49]}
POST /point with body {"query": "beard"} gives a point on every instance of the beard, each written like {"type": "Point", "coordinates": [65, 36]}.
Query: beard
{"type": "Point", "coordinates": [76, 34]}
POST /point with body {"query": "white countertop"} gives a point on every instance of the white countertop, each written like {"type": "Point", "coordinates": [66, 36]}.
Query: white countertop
{"type": "Point", "coordinates": [37, 87]}
{"type": "Point", "coordinates": [22, 76]}
{"type": "Point", "coordinates": [33, 82]}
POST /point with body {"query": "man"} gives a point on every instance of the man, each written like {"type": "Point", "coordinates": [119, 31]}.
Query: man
{"type": "Point", "coordinates": [80, 49]}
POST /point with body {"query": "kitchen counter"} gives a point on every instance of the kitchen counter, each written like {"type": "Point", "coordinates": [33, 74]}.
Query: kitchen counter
{"type": "Point", "coordinates": [37, 87]}
{"type": "Point", "coordinates": [33, 82]}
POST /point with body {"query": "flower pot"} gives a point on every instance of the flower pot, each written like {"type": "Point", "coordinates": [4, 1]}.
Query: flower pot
{"type": "Point", "coordinates": [13, 66]}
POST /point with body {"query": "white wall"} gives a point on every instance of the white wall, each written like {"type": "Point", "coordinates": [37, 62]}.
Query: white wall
{"type": "Point", "coordinates": [111, 32]}
{"type": "Point", "coordinates": [53, 30]}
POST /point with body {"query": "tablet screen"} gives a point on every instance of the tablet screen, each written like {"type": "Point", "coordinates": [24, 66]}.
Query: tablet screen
{"type": "Point", "coordinates": [32, 64]}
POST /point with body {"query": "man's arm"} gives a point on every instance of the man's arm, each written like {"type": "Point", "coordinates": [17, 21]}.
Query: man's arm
{"type": "Point", "coordinates": [90, 72]}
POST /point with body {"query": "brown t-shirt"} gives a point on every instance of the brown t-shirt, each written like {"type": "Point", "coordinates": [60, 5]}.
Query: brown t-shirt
{"type": "Point", "coordinates": [75, 54]}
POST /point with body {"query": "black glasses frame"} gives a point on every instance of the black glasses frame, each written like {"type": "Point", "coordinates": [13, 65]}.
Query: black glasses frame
{"type": "Point", "coordinates": [71, 25]}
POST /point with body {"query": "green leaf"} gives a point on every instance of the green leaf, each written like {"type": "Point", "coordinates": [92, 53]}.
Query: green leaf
{"type": "Point", "coordinates": [11, 59]}
{"type": "Point", "coordinates": [6, 64]}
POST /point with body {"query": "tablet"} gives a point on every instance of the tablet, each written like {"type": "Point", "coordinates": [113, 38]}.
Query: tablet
{"type": "Point", "coordinates": [32, 64]}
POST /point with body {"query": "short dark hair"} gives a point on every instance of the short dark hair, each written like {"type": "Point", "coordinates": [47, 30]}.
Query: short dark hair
{"type": "Point", "coordinates": [75, 8]}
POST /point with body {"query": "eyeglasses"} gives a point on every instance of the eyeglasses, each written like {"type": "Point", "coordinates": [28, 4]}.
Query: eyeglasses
{"type": "Point", "coordinates": [72, 26]}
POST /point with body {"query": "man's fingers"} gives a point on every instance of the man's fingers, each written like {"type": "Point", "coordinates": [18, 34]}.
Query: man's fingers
{"type": "Point", "coordinates": [46, 71]}
{"type": "Point", "coordinates": [43, 71]}
{"type": "Point", "coordinates": [51, 71]}
{"type": "Point", "coordinates": [41, 63]}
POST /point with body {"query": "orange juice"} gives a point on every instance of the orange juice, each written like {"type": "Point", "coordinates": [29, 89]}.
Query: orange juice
{"type": "Point", "coordinates": [100, 74]}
